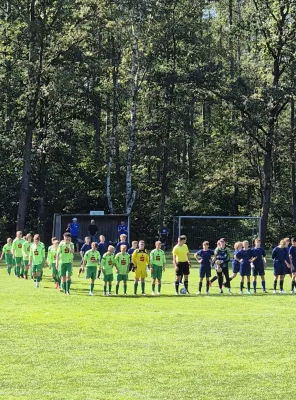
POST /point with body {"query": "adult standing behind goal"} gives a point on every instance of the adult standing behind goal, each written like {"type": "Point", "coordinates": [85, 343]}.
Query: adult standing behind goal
{"type": "Point", "coordinates": [181, 262]}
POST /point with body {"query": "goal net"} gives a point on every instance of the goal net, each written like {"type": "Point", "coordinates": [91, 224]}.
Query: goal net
{"type": "Point", "coordinates": [212, 228]}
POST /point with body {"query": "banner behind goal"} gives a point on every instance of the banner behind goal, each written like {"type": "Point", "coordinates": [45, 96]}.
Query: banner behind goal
{"type": "Point", "coordinates": [212, 228]}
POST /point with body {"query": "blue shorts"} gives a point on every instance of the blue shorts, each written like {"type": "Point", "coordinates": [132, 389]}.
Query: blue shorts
{"type": "Point", "coordinates": [279, 269]}
{"type": "Point", "coordinates": [236, 267]}
{"type": "Point", "coordinates": [258, 270]}
{"type": "Point", "coordinates": [288, 270]}
{"type": "Point", "coordinates": [245, 270]}
{"type": "Point", "coordinates": [205, 271]}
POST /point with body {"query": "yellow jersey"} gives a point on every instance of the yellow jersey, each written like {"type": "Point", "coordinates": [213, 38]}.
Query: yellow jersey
{"type": "Point", "coordinates": [181, 252]}
{"type": "Point", "coordinates": [140, 258]}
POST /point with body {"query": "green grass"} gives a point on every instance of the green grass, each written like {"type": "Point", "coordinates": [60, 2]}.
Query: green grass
{"type": "Point", "coordinates": [80, 347]}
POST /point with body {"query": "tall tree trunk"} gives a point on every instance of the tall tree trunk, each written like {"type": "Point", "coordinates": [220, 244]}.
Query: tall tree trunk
{"type": "Point", "coordinates": [292, 157]}
{"type": "Point", "coordinates": [110, 155]}
{"type": "Point", "coordinates": [34, 81]}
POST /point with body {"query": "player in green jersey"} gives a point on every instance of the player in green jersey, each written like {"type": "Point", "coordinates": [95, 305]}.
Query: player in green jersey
{"type": "Point", "coordinates": [26, 253]}
{"type": "Point", "coordinates": [91, 259]}
{"type": "Point", "coordinates": [122, 263]}
{"type": "Point", "coordinates": [37, 259]}
{"type": "Point", "coordinates": [51, 261]}
{"type": "Point", "coordinates": [7, 253]}
{"type": "Point", "coordinates": [17, 252]}
{"type": "Point", "coordinates": [107, 263]}
{"type": "Point", "coordinates": [157, 262]}
{"type": "Point", "coordinates": [64, 262]}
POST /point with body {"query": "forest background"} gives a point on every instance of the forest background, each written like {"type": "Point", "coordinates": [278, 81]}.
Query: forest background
{"type": "Point", "coordinates": [158, 108]}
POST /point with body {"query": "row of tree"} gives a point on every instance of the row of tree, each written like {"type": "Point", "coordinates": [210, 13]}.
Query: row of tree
{"type": "Point", "coordinates": [155, 107]}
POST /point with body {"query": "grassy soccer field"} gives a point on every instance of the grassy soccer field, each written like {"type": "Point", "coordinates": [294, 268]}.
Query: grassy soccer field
{"type": "Point", "coordinates": [81, 347]}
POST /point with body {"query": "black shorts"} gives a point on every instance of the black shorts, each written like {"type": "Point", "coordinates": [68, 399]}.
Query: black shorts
{"type": "Point", "coordinates": [183, 268]}
{"type": "Point", "coordinates": [74, 239]}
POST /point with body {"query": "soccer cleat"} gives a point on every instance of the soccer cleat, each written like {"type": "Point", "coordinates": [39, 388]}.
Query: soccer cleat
{"type": "Point", "coordinates": [221, 291]}
{"type": "Point", "coordinates": [255, 291]}
{"type": "Point", "coordinates": [264, 291]}
{"type": "Point", "coordinates": [158, 293]}
{"type": "Point", "coordinates": [90, 294]}
{"type": "Point", "coordinates": [105, 294]}
{"type": "Point", "coordinates": [176, 294]}
{"type": "Point", "coordinates": [181, 283]}
{"type": "Point", "coordinates": [282, 292]}
{"type": "Point", "coordinates": [143, 294]}
{"type": "Point", "coordinates": [115, 294]}
{"type": "Point", "coordinates": [240, 292]}
{"type": "Point", "coordinates": [67, 294]}
{"type": "Point", "coordinates": [292, 292]}
{"type": "Point", "coordinates": [198, 293]}
{"type": "Point", "coordinates": [208, 293]}
{"type": "Point", "coordinates": [152, 293]}
{"type": "Point", "coordinates": [229, 292]}
{"type": "Point", "coordinates": [109, 294]}
{"type": "Point", "coordinates": [274, 292]}
{"type": "Point", "coordinates": [248, 292]}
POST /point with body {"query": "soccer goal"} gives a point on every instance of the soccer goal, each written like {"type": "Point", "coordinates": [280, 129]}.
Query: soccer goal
{"type": "Point", "coordinates": [212, 228]}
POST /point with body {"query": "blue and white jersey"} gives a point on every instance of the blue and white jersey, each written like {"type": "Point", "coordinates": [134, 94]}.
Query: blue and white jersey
{"type": "Point", "coordinates": [74, 229]}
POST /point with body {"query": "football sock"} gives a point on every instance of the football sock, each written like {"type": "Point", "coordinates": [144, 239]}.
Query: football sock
{"type": "Point", "coordinates": [117, 288]}
{"type": "Point", "coordinates": [274, 285]}
{"type": "Point", "coordinates": [110, 287]}
{"type": "Point", "coordinates": [263, 285]}
{"type": "Point", "coordinates": [9, 270]}
{"type": "Point", "coordinates": [159, 287]}
{"type": "Point", "coordinates": [214, 279]}
{"type": "Point", "coordinates": [281, 285]}
{"type": "Point", "coordinates": [241, 286]}
{"type": "Point", "coordinates": [135, 287]}
{"type": "Point", "coordinates": [208, 285]}
{"type": "Point", "coordinates": [64, 287]}
{"type": "Point", "coordinates": [199, 286]}
{"type": "Point", "coordinates": [92, 285]}
{"type": "Point", "coordinates": [18, 271]}
{"type": "Point", "coordinates": [177, 286]}
{"type": "Point", "coordinates": [99, 274]}
{"type": "Point", "coordinates": [124, 288]}
{"type": "Point", "coordinates": [68, 284]}
{"type": "Point", "coordinates": [80, 270]}
{"type": "Point", "coordinates": [153, 287]}
{"type": "Point", "coordinates": [249, 285]}
{"type": "Point", "coordinates": [186, 285]}
{"type": "Point", "coordinates": [143, 287]}
{"type": "Point", "coordinates": [254, 285]}
{"type": "Point", "coordinates": [105, 288]}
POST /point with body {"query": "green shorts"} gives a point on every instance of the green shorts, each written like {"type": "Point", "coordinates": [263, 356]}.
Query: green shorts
{"type": "Point", "coordinates": [157, 272]}
{"type": "Point", "coordinates": [37, 268]}
{"type": "Point", "coordinates": [26, 262]}
{"type": "Point", "coordinates": [91, 272]}
{"type": "Point", "coordinates": [108, 278]}
{"type": "Point", "coordinates": [8, 259]}
{"type": "Point", "coordinates": [18, 260]}
{"type": "Point", "coordinates": [66, 269]}
{"type": "Point", "coordinates": [54, 270]}
{"type": "Point", "coordinates": [121, 277]}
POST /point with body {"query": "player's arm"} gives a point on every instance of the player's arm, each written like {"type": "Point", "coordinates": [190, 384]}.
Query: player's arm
{"type": "Point", "coordinates": [151, 260]}
{"type": "Point", "coordinates": [57, 258]}
{"type": "Point", "coordinates": [30, 258]}
{"type": "Point", "coordinates": [188, 259]}
{"type": "Point", "coordinates": [196, 256]}
{"type": "Point", "coordinates": [175, 262]}
{"type": "Point", "coordinates": [72, 250]}
{"type": "Point", "coordinates": [2, 253]}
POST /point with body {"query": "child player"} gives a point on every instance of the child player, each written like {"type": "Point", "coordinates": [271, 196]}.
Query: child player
{"type": "Point", "coordinates": [26, 253]}
{"type": "Point", "coordinates": [123, 240]}
{"type": "Point", "coordinates": [140, 259]}
{"type": "Point", "coordinates": [245, 257]}
{"type": "Point", "coordinates": [7, 252]}
{"type": "Point", "coordinates": [130, 252]}
{"type": "Point", "coordinates": [85, 247]}
{"type": "Point", "coordinates": [17, 252]}
{"type": "Point", "coordinates": [107, 264]}
{"type": "Point", "coordinates": [203, 257]}
{"type": "Point", "coordinates": [157, 262]}
{"type": "Point", "coordinates": [64, 262]}
{"type": "Point", "coordinates": [259, 265]}
{"type": "Point", "coordinates": [102, 249]}
{"type": "Point", "coordinates": [91, 259]}
{"type": "Point", "coordinates": [51, 261]}
{"type": "Point", "coordinates": [122, 261]}
{"type": "Point", "coordinates": [292, 256]}
{"type": "Point", "coordinates": [235, 263]}
{"type": "Point", "coordinates": [37, 259]}
{"type": "Point", "coordinates": [279, 256]}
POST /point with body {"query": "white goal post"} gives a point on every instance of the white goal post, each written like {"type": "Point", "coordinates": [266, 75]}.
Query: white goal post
{"type": "Point", "coordinates": [213, 227]}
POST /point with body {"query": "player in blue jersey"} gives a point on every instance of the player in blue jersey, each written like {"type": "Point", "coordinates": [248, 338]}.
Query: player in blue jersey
{"type": "Point", "coordinates": [292, 256]}
{"type": "Point", "coordinates": [163, 236]}
{"type": "Point", "coordinates": [122, 229]}
{"type": "Point", "coordinates": [204, 257]}
{"type": "Point", "coordinates": [102, 249]}
{"type": "Point", "coordinates": [288, 268]}
{"type": "Point", "coordinates": [279, 256]}
{"type": "Point", "coordinates": [245, 257]}
{"type": "Point", "coordinates": [123, 242]}
{"type": "Point", "coordinates": [74, 230]}
{"type": "Point", "coordinates": [130, 252]}
{"type": "Point", "coordinates": [85, 247]}
{"type": "Point", "coordinates": [259, 265]}
{"type": "Point", "coordinates": [235, 264]}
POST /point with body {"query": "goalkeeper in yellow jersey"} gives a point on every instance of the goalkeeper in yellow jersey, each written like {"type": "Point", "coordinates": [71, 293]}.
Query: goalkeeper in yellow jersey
{"type": "Point", "coordinates": [140, 261]}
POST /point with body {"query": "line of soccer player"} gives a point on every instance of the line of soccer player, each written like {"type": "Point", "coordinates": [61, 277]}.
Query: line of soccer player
{"type": "Point", "coordinates": [28, 254]}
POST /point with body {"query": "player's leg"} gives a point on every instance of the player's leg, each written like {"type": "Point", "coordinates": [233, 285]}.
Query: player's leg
{"type": "Point", "coordinates": [275, 279]}
{"type": "Point", "coordinates": [153, 276]}
{"type": "Point", "coordinates": [242, 278]}
{"type": "Point", "coordinates": [117, 284]}
{"type": "Point", "coordinates": [255, 273]}
{"type": "Point", "coordinates": [220, 280]}
{"type": "Point", "coordinates": [199, 285]}
{"type": "Point", "coordinates": [249, 284]}
{"type": "Point", "coordinates": [282, 277]}
{"type": "Point", "coordinates": [136, 282]}
{"type": "Point", "coordinates": [225, 272]}
{"type": "Point", "coordinates": [80, 269]}
{"type": "Point", "coordinates": [293, 283]}
{"type": "Point", "coordinates": [68, 277]}
{"type": "Point", "coordinates": [110, 280]}
{"type": "Point", "coordinates": [202, 274]}
{"type": "Point", "coordinates": [125, 285]}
